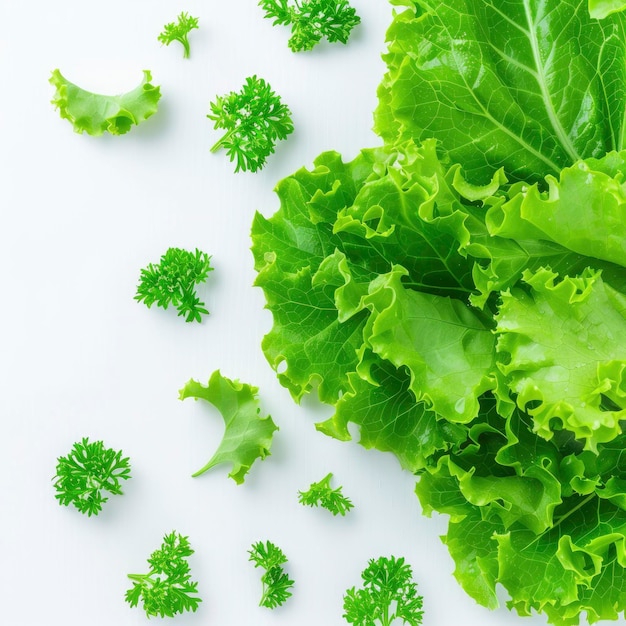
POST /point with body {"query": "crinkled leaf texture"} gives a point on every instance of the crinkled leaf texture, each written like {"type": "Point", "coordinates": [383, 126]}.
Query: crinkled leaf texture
{"type": "Point", "coordinates": [487, 357]}
{"type": "Point", "coordinates": [531, 85]}
{"type": "Point", "coordinates": [96, 114]}
{"type": "Point", "coordinates": [247, 436]}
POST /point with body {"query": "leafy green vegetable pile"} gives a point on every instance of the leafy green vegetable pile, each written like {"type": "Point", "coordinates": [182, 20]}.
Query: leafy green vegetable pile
{"type": "Point", "coordinates": [460, 295]}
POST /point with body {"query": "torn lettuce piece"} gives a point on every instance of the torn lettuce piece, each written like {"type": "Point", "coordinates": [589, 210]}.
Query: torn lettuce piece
{"type": "Point", "coordinates": [247, 435]}
{"type": "Point", "coordinates": [96, 114]}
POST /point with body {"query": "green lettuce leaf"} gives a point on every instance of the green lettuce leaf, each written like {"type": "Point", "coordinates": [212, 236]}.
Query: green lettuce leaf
{"type": "Point", "coordinates": [96, 114]}
{"type": "Point", "coordinates": [247, 436]}
{"type": "Point", "coordinates": [562, 354]}
{"type": "Point", "coordinates": [379, 401]}
{"type": "Point", "coordinates": [531, 86]}
{"type": "Point", "coordinates": [583, 210]}
{"type": "Point", "coordinates": [599, 9]}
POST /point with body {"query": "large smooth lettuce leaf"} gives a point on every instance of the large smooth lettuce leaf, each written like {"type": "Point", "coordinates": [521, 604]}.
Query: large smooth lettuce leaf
{"type": "Point", "coordinates": [528, 85]}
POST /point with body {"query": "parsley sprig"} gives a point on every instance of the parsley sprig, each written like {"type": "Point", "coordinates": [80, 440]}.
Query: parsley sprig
{"type": "Point", "coordinates": [276, 583]}
{"type": "Point", "coordinates": [167, 589]}
{"type": "Point", "coordinates": [87, 472]}
{"type": "Point", "coordinates": [179, 31]}
{"type": "Point", "coordinates": [312, 20]}
{"type": "Point", "coordinates": [254, 120]}
{"type": "Point", "coordinates": [388, 594]}
{"type": "Point", "coordinates": [173, 281]}
{"type": "Point", "coordinates": [322, 494]}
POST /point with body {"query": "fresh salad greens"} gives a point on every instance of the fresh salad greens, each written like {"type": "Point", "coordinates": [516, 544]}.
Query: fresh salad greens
{"type": "Point", "coordinates": [167, 589]}
{"type": "Point", "coordinates": [248, 436]}
{"type": "Point", "coordinates": [460, 293]}
{"type": "Point", "coordinates": [96, 114]}
{"type": "Point", "coordinates": [254, 120]}
{"type": "Point", "coordinates": [173, 281]}
{"type": "Point", "coordinates": [179, 31]}
{"type": "Point", "coordinates": [322, 494]}
{"type": "Point", "coordinates": [388, 596]}
{"type": "Point", "coordinates": [276, 583]}
{"type": "Point", "coordinates": [87, 473]}
{"type": "Point", "coordinates": [529, 86]}
{"type": "Point", "coordinates": [312, 20]}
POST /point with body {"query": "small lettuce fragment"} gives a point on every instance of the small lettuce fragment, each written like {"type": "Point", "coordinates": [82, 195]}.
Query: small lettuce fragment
{"type": "Point", "coordinates": [247, 436]}
{"type": "Point", "coordinates": [96, 114]}
{"type": "Point", "coordinates": [599, 9]}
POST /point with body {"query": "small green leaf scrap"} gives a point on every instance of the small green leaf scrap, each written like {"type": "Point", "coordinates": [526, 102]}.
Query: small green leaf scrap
{"type": "Point", "coordinates": [312, 20]}
{"type": "Point", "coordinates": [167, 589]}
{"type": "Point", "coordinates": [322, 494]}
{"type": "Point", "coordinates": [388, 594]}
{"type": "Point", "coordinates": [179, 31]}
{"type": "Point", "coordinates": [87, 472]}
{"type": "Point", "coordinates": [247, 436]}
{"type": "Point", "coordinates": [96, 114]}
{"type": "Point", "coordinates": [173, 281]}
{"type": "Point", "coordinates": [254, 119]}
{"type": "Point", "coordinates": [276, 583]}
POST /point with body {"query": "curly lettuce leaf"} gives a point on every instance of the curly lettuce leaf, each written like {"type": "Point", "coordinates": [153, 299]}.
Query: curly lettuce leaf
{"type": "Point", "coordinates": [529, 86]}
{"type": "Point", "coordinates": [389, 418]}
{"type": "Point", "coordinates": [247, 436]}
{"type": "Point", "coordinates": [583, 211]}
{"type": "Point", "coordinates": [523, 524]}
{"type": "Point", "coordinates": [96, 114]}
{"type": "Point", "coordinates": [561, 351]}
{"type": "Point", "coordinates": [338, 228]}
{"type": "Point", "coordinates": [448, 349]}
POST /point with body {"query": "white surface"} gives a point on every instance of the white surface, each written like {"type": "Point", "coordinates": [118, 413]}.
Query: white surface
{"type": "Point", "coordinates": [79, 357]}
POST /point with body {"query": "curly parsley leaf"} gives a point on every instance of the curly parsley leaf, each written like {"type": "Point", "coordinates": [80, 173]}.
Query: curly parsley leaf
{"type": "Point", "coordinates": [86, 472]}
{"type": "Point", "coordinates": [167, 589]}
{"type": "Point", "coordinates": [276, 583]}
{"type": "Point", "coordinates": [322, 494]}
{"type": "Point", "coordinates": [312, 20]}
{"type": "Point", "coordinates": [254, 120]}
{"type": "Point", "coordinates": [179, 31]}
{"type": "Point", "coordinates": [388, 595]}
{"type": "Point", "coordinates": [96, 114]}
{"type": "Point", "coordinates": [247, 436]}
{"type": "Point", "coordinates": [173, 281]}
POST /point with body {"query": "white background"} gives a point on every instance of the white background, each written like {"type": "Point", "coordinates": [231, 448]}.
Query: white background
{"type": "Point", "coordinates": [79, 357]}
